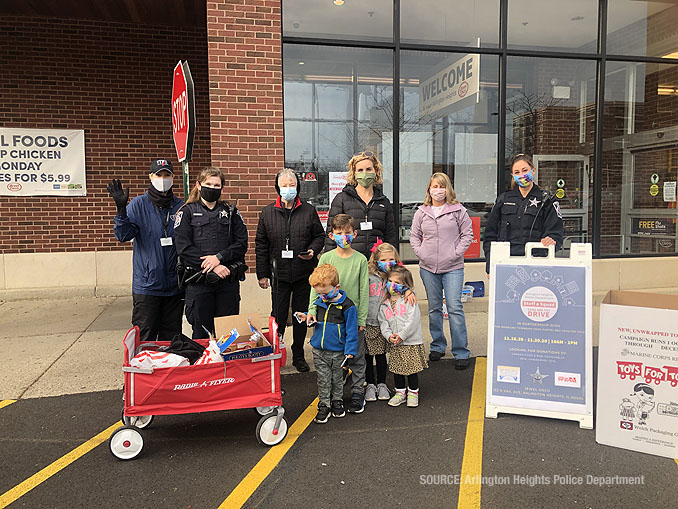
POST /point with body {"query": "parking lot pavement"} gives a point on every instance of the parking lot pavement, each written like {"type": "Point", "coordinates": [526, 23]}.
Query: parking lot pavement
{"type": "Point", "coordinates": [385, 456]}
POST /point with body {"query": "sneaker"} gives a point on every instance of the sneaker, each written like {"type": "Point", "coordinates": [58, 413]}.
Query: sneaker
{"type": "Point", "coordinates": [323, 414]}
{"type": "Point", "coordinates": [383, 394]}
{"type": "Point", "coordinates": [435, 356]}
{"type": "Point", "coordinates": [461, 364]}
{"type": "Point", "coordinates": [412, 399]}
{"type": "Point", "coordinates": [398, 399]}
{"type": "Point", "coordinates": [301, 365]}
{"type": "Point", "coordinates": [338, 408]}
{"type": "Point", "coordinates": [357, 404]}
{"type": "Point", "coordinates": [371, 392]}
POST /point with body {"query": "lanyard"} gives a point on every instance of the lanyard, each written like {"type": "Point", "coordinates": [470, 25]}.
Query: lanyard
{"type": "Point", "coordinates": [165, 222]}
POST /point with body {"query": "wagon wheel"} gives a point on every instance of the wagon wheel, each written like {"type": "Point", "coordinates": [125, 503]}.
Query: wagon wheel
{"type": "Point", "coordinates": [126, 443]}
{"type": "Point", "coordinates": [140, 421]}
{"type": "Point", "coordinates": [266, 435]}
{"type": "Point", "coordinates": [264, 410]}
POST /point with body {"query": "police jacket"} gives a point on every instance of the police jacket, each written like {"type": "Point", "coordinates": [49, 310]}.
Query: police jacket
{"type": "Point", "coordinates": [337, 327]}
{"type": "Point", "coordinates": [199, 231]}
{"type": "Point", "coordinates": [379, 212]}
{"type": "Point", "coordinates": [296, 230]}
{"type": "Point", "coordinates": [520, 220]}
{"type": "Point", "coordinates": [153, 265]}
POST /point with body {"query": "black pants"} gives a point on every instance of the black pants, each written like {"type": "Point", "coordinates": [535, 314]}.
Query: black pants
{"type": "Point", "coordinates": [299, 291]}
{"type": "Point", "coordinates": [204, 302]}
{"type": "Point", "coordinates": [412, 381]}
{"type": "Point", "coordinates": [381, 368]}
{"type": "Point", "coordinates": [158, 317]}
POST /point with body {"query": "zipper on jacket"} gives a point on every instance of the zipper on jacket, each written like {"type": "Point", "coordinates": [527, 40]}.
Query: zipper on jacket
{"type": "Point", "coordinates": [322, 339]}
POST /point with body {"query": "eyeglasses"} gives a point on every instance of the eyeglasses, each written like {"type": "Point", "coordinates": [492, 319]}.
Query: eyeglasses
{"type": "Point", "coordinates": [366, 154]}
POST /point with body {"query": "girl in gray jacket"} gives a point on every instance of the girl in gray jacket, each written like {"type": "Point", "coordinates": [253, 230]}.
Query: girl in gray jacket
{"type": "Point", "coordinates": [400, 324]}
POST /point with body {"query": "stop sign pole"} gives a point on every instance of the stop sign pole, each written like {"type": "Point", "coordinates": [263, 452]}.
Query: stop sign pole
{"type": "Point", "coordinates": [183, 117]}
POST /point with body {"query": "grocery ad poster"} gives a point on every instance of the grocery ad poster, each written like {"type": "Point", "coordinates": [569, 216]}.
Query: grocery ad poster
{"type": "Point", "coordinates": [638, 379]}
{"type": "Point", "coordinates": [539, 344]}
{"type": "Point", "coordinates": [42, 162]}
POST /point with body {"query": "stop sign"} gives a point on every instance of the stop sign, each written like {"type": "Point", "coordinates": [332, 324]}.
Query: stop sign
{"type": "Point", "coordinates": [183, 113]}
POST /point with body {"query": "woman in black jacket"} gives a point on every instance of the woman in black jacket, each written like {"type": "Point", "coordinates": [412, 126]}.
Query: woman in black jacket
{"type": "Point", "coordinates": [288, 241]}
{"type": "Point", "coordinates": [364, 201]}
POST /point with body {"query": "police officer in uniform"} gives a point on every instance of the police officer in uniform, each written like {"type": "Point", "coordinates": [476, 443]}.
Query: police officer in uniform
{"type": "Point", "coordinates": [524, 214]}
{"type": "Point", "coordinates": [211, 241]}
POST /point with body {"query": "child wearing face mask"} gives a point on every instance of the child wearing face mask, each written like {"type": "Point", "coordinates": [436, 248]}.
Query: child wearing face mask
{"type": "Point", "coordinates": [400, 324]}
{"type": "Point", "coordinates": [384, 258]}
{"type": "Point", "coordinates": [334, 340]}
{"type": "Point", "coordinates": [354, 280]}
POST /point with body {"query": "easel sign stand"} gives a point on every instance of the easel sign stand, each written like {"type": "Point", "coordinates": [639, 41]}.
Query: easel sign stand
{"type": "Point", "coordinates": [540, 334]}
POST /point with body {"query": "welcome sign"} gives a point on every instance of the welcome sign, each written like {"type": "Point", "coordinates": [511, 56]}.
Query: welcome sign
{"type": "Point", "coordinates": [449, 85]}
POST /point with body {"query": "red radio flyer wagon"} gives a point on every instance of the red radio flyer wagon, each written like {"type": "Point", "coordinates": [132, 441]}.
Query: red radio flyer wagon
{"type": "Point", "coordinates": [229, 385]}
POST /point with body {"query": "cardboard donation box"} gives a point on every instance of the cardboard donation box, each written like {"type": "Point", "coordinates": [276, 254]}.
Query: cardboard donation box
{"type": "Point", "coordinates": [638, 373]}
{"type": "Point", "coordinates": [239, 337]}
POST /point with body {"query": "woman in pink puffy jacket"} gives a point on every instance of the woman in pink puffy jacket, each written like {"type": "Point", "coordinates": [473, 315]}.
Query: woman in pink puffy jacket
{"type": "Point", "coordinates": [440, 235]}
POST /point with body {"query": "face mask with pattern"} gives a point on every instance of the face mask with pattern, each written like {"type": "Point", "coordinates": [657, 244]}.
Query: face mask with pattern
{"type": "Point", "coordinates": [386, 266]}
{"type": "Point", "coordinates": [396, 288]}
{"type": "Point", "coordinates": [343, 240]}
{"type": "Point", "coordinates": [329, 296]}
{"type": "Point", "coordinates": [524, 180]}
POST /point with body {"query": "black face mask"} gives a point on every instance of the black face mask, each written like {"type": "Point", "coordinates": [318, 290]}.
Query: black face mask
{"type": "Point", "coordinates": [210, 194]}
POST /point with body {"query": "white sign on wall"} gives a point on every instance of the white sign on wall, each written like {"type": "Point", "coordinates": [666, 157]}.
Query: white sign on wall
{"type": "Point", "coordinates": [337, 183]}
{"type": "Point", "coordinates": [449, 85]}
{"type": "Point", "coordinates": [42, 162]}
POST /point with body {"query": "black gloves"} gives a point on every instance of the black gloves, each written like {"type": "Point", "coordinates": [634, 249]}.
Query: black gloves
{"type": "Point", "coordinates": [119, 195]}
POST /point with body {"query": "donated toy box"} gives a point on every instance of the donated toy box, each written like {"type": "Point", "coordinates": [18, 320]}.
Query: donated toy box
{"type": "Point", "coordinates": [638, 373]}
{"type": "Point", "coordinates": [239, 337]}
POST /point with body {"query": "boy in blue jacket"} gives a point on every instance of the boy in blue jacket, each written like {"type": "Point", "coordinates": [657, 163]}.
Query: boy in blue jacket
{"type": "Point", "coordinates": [334, 339]}
{"type": "Point", "coordinates": [158, 304]}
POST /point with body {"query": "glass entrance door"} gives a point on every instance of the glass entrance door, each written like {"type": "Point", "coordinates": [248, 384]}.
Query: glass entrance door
{"type": "Point", "coordinates": [568, 178]}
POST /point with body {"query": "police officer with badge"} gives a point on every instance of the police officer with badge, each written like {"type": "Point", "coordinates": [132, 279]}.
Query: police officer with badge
{"type": "Point", "coordinates": [211, 240]}
{"type": "Point", "coordinates": [524, 214]}
{"type": "Point", "coordinates": [149, 220]}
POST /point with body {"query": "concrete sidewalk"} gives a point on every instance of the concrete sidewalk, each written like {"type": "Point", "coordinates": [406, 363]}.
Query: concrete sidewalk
{"type": "Point", "coordinates": [70, 346]}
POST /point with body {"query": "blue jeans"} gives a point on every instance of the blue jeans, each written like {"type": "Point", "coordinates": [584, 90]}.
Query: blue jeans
{"type": "Point", "coordinates": [451, 282]}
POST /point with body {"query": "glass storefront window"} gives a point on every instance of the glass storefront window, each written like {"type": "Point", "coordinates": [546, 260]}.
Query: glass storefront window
{"type": "Point", "coordinates": [448, 123]}
{"type": "Point", "coordinates": [550, 111]}
{"type": "Point", "coordinates": [472, 23]}
{"type": "Point", "coordinates": [553, 25]}
{"type": "Point", "coordinates": [638, 27]}
{"type": "Point", "coordinates": [337, 19]}
{"type": "Point", "coordinates": [337, 102]}
{"type": "Point", "coordinates": [640, 159]}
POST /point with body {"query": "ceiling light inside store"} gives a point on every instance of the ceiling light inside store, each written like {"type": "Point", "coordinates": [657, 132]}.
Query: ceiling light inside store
{"type": "Point", "coordinates": [301, 63]}
{"type": "Point", "coordinates": [338, 2]}
{"type": "Point", "coordinates": [667, 91]}
{"type": "Point", "coordinates": [671, 55]}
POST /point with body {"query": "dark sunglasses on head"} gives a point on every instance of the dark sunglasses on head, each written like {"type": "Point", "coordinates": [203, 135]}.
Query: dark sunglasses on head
{"type": "Point", "coordinates": [366, 154]}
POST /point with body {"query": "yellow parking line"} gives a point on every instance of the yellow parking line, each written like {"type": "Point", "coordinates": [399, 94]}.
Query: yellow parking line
{"type": "Point", "coordinates": [265, 466]}
{"type": "Point", "coordinates": [6, 402]}
{"type": "Point", "coordinates": [36, 479]}
{"type": "Point", "coordinates": [472, 464]}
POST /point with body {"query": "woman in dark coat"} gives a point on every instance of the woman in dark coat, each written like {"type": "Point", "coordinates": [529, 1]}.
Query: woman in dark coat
{"type": "Point", "coordinates": [363, 199]}
{"type": "Point", "coordinates": [288, 241]}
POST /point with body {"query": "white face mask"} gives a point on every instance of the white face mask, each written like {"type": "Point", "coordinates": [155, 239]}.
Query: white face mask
{"type": "Point", "coordinates": [162, 184]}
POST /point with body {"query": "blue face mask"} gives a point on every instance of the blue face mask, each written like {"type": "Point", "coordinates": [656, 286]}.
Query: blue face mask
{"type": "Point", "coordinates": [329, 296]}
{"type": "Point", "coordinates": [288, 193]}
{"type": "Point", "coordinates": [524, 180]}
{"type": "Point", "coordinates": [343, 240]}
{"type": "Point", "coordinates": [386, 266]}
{"type": "Point", "coordinates": [394, 288]}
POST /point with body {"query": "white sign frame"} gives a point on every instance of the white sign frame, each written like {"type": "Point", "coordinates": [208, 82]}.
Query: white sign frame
{"type": "Point", "coordinates": [580, 256]}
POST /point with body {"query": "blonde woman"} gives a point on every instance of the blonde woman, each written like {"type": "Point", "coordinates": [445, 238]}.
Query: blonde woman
{"type": "Point", "coordinates": [364, 201]}
{"type": "Point", "coordinates": [440, 235]}
{"type": "Point", "coordinates": [211, 239]}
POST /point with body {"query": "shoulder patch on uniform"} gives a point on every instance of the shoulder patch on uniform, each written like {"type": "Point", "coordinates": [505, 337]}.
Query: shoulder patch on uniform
{"type": "Point", "coordinates": [556, 205]}
{"type": "Point", "coordinates": [177, 219]}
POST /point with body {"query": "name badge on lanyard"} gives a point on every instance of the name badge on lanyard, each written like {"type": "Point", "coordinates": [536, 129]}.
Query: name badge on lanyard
{"type": "Point", "coordinates": [165, 241]}
{"type": "Point", "coordinates": [366, 225]}
{"type": "Point", "coordinates": [287, 253]}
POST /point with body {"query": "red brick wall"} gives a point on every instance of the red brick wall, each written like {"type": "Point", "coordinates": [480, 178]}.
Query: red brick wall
{"type": "Point", "coordinates": [114, 81]}
{"type": "Point", "coordinates": [245, 73]}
